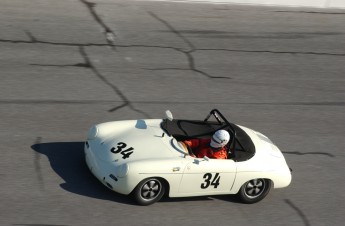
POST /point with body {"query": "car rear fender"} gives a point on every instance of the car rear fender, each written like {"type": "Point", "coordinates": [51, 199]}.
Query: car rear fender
{"type": "Point", "coordinates": [168, 170]}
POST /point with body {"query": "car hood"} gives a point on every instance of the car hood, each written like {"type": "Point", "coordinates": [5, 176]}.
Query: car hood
{"type": "Point", "coordinates": [267, 156]}
{"type": "Point", "coordinates": [263, 145]}
{"type": "Point", "coordinates": [132, 140]}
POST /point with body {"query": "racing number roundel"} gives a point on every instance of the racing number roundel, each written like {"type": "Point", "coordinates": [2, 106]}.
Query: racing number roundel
{"type": "Point", "coordinates": [121, 149]}
{"type": "Point", "coordinates": [210, 180]}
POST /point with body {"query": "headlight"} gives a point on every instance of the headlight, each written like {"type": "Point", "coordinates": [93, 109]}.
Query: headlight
{"type": "Point", "coordinates": [92, 133]}
{"type": "Point", "coordinates": [122, 170]}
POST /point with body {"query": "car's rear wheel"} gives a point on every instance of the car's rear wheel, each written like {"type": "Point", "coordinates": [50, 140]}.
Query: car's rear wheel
{"type": "Point", "coordinates": [149, 191]}
{"type": "Point", "coordinates": [254, 190]}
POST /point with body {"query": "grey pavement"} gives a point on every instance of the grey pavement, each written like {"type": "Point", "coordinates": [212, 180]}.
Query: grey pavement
{"type": "Point", "coordinates": [68, 64]}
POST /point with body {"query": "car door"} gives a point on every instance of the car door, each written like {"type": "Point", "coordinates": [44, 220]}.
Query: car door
{"type": "Point", "coordinates": [208, 176]}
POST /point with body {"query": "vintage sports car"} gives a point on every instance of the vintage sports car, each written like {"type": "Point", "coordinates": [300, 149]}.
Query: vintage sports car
{"type": "Point", "coordinates": [146, 159]}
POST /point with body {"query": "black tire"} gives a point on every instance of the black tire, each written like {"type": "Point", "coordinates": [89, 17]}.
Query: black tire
{"type": "Point", "coordinates": [149, 191]}
{"type": "Point", "coordinates": [254, 190]}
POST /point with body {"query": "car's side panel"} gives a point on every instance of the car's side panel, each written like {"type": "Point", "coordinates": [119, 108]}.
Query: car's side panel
{"type": "Point", "coordinates": [207, 177]}
{"type": "Point", "coordinates": [171, 170]}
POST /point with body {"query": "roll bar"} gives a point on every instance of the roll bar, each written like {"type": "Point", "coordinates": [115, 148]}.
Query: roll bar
{"type": "Point", "coordinates": [216, 113]}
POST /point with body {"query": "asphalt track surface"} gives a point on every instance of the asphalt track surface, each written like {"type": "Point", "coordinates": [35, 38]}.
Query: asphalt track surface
{"type": "Point", "coordinates": [66, 65]}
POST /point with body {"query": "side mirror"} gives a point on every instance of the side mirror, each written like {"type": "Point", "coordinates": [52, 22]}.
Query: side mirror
{"type": "Point", "coordinates": [169, 115]}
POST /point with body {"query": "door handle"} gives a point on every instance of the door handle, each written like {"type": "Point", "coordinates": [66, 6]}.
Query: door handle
{"type": "Point", "coordinates": [175, 169]}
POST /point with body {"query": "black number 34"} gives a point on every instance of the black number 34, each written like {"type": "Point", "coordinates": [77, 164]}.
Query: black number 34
{"type": "Point", "coordinates": [208, 182]}
{"type": "Point", "coordinates": [119, 149]}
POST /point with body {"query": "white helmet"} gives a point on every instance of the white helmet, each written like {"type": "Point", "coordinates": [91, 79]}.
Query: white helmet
{"type": "Point", "coordinates": [220, 139]}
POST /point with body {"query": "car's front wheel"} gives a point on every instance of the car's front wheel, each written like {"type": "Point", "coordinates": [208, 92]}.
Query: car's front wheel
{"type": "Point", "coordinates": [254, 190]}
{"type": "Point", "coordinates": [149, 191]}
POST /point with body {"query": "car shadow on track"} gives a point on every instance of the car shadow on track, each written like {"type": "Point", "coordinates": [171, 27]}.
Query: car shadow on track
{"type": "Point", "coordinates": [227, 198]}
{"type": "Point", "coordinates": [67, 160]}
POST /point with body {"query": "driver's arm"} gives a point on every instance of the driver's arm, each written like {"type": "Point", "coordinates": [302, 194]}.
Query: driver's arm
{"type": "Point", "coordinates": [193, 143]}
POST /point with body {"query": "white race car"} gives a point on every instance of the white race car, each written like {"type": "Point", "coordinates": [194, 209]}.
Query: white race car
{"type": "Point", "coordinates": [146, 158]}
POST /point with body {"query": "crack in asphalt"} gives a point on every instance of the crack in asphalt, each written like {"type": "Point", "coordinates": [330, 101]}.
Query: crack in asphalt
{"type": "Point", "coordinates": [274, 52]}
{"type": "Point", "coordinates": [165, 47]}
{"type": "Point", "coordinates": [332, 103]}
{"type": "Point", "coordinates": [189, 52]}
{"type": "Point", "coordinates": [308, 153]}
{"type": "Point", "coordinates": [126, 102]}
{"type": "Point", "coordinates": [69, 44]}
{"type": "Point", "coordinates": [51, 43]}
{"type": "Point", "coordinates": [41, 224]}
{"type": "Point", "coordinates": [32, 38]}
{"type": "Point", "coordinates": [17, 101]}
{"type": "Point", "coordinates": [172, 29]}
{"type": "Point", "coordinates": [310, 12]}
{"type": "Point", "coordinates": [299, 212]}
{"type": "Point", "coordinates": [109, 34]}
{"type": "Point", "coordinates": [256, 34]}
{"type": "Point", "coordinates": [61, 65]}
{"type": "Point", "coordinates": [253, 35]}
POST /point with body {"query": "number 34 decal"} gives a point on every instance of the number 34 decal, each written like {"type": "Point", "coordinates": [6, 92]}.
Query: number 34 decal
{"type": "Point", "coordinates": [121, 149]}
{"type": "Point", "coordinates": [210, 180]}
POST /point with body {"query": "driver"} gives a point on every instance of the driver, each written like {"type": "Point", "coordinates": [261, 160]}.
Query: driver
{"type": "Point", "coordinates": [213, 148]}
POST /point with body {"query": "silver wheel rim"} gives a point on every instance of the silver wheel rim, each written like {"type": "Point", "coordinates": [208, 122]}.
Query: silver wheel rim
{"type": "Point", "coordinates": [150, 189]}
{"type": "Point", "coordinates": [255, 188]}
